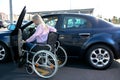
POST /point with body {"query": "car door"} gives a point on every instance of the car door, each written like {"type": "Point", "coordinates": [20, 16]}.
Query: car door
{"type": "Point", "coordinates": [15, 37]}
{"type": "Point", "coordinates": [74, 32]}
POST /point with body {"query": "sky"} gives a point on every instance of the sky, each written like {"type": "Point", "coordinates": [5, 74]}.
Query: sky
{"type": "Point", "coordinates": [106, 8]}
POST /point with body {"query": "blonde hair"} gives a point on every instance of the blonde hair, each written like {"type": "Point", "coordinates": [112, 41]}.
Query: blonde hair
{"type": "Point", "coordinates": [38, 17]}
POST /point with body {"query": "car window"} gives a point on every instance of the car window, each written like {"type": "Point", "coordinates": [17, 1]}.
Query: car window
{"type": "Point", "coordinates": [28, 31]}
{"type": "Point", "coordinates": [75, 22]}
{"type": "Point", "coordinates": [51, 21]}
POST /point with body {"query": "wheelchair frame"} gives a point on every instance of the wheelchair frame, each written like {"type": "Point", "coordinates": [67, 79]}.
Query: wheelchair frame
{"type": "Point", "coordinates": [48, 52]}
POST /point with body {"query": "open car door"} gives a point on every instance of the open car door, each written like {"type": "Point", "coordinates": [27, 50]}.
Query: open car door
{"type": "Point", "coordinates": [16, 37]}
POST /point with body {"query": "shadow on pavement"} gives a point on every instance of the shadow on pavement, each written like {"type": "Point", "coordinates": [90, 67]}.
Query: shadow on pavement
{"type": "Point", "coordinates": [74, 70]}
{"type": "Point", "coordinates": [6, 68]}
{"type": "Point", "coordinates": [77, 63]}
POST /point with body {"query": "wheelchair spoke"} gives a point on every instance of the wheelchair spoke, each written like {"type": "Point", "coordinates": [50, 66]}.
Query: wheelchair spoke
{"type": "Point", "coordinates": [50, 65]}
{"type": "Point", "coordinates": [46, 59]}
{"type": "Point", "coordinates": [38, 59]}
{"type": "Point", "coordinates": [44, 64]}
{"type": "Point", "coordinates": [39, 65]}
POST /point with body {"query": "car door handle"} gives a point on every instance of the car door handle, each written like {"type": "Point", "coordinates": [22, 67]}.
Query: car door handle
{"type": "Point", "coordinates": [61, 37]}
{"type": "Point", "coordinates": [84, 34]}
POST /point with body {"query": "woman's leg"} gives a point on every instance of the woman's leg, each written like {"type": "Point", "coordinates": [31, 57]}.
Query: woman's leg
{"type": "Point", "coordinates": [27, 46]}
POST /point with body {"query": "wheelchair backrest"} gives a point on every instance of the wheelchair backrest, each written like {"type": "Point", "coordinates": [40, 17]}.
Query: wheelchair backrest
{"type": "Point", "coordinates": [52, 38]}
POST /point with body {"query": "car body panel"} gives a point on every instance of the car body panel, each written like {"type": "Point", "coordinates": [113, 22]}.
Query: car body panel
{"type": "Point", "coordinates": [5, 37]}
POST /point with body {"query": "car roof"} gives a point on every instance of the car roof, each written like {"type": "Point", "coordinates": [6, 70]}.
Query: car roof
{"type": "Point", "coordinates": [77, 14]}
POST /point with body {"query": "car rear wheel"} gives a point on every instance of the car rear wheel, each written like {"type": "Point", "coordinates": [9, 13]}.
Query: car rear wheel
{"type": "Point", "coordinates": [3, 52]}
{"type": "Point", "coordinates": [99, 56]}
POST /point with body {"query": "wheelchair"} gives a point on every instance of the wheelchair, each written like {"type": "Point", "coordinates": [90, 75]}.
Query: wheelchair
{"type": "Point", "coordinates": [44, 62]}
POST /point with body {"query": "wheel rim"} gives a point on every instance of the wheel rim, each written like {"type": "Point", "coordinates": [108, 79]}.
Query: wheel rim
{"type": "Point", "coordinates": [100, 57]}
{"type": "Point", "coordinates": [2, 52]}
{"type": "Point", "coordinates": [44, 64]}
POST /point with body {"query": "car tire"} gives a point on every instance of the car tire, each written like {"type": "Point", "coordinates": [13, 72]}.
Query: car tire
{"type": "Point", "coordinates": [99, 57]}
{"type": "Point", "coordinates": [3, 53]}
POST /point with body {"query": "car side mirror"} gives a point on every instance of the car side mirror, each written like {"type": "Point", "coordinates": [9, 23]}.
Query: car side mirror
{"type": "Point", "coordinates": [11, 27]}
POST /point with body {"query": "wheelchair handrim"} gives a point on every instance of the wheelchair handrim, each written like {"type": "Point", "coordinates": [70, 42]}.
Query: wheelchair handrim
{"type": "Point", "coordinates": [54, 58]}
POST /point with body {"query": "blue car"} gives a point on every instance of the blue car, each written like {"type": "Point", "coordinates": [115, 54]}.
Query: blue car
{"type": "Point", "coordinates": [82, 36]}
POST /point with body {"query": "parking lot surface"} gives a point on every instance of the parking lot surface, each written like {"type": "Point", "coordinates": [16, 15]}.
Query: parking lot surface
{"type": "Point", "coordinates": [72, 71]}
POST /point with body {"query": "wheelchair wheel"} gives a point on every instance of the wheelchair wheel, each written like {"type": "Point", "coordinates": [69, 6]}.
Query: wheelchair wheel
{"type": "Point", "coordinates": [61, 56]}
{"type": "Point", "coordinates": [44, 64]}
{"type": "Point", "coordinates": [29, 69]}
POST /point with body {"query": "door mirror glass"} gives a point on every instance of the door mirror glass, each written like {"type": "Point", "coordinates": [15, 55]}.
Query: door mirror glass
{"type": "Point", "coordinates": [11, 27]}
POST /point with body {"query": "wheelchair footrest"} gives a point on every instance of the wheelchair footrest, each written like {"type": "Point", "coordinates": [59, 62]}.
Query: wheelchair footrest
{"type": "Point", "coordinates": [43, 72]}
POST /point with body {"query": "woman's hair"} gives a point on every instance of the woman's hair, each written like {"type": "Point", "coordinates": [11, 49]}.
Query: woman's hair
{"type": "Point", "coordinates": [38, 17]}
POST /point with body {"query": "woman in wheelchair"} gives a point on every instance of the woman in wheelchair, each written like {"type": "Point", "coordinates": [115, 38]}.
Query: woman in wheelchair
{"type": "Point", "coordinates": [44, 62]}
{"type": "Point", "coordinates": [41, 33]}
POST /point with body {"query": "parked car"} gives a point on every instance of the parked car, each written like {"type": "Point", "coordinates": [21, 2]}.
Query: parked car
{"type": "Point", "coordinates": [14, 22]}
{"type": "Point", "coordinates": [82, 36]}
{"type": "Point", "coordinates": [5, 24]}
{"type": "Point", "coordinates": [1, 24]}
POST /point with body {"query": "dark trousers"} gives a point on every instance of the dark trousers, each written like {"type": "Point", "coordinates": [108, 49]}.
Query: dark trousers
{"type": "Point", "coordinates": [28, 46]}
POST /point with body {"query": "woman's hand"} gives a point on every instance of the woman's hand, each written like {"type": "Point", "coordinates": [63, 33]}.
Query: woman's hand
{"type": "Point", "coordinates": [23, 41]}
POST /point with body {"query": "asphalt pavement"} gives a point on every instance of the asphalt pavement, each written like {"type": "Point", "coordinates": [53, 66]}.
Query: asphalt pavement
{"type": "Point", "coordinates": [72, 71]}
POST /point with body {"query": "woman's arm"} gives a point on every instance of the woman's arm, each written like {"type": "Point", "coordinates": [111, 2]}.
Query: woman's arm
{"type": "Point", "coordinates": [52, 29]}
{"type": "Point", "coordinates": [37, 33]}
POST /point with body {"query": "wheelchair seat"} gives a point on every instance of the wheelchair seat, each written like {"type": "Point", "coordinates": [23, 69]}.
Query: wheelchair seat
{"type": "Point", "coordinates": [49, 45]}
